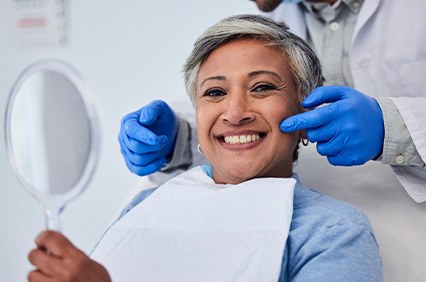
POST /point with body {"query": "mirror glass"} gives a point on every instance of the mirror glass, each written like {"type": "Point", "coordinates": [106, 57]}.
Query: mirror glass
{"type": "Point", "coordinates": [52, 135]}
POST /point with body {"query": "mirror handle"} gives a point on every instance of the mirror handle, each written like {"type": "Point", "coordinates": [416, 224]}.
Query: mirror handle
{"type": "Point", "coordinates": [53, 216]}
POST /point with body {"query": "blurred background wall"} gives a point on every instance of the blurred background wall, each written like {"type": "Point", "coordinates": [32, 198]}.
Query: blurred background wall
{"type": "Point", "coordinates": [130, 52]}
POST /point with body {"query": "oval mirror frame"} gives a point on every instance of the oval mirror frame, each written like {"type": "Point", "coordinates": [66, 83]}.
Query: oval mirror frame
{"type": "Point", "coordinates": [54, 203]}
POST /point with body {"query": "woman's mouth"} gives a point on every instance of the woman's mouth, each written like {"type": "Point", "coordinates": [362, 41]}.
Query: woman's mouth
{"type": "Point", "coordinates": [242, 139]}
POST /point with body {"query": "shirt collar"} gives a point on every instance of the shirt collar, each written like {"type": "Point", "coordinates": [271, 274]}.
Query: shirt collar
{"type": "Point", "coordinates": [327, 12]}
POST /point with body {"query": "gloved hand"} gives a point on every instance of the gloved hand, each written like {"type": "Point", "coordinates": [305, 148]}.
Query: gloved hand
{"type": "Point", "coordinates": [349, 131]}
{"type": "Point", "coordinates": [147, 137]}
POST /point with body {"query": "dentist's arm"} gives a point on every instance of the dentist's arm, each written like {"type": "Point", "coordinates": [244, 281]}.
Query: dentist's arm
{"type": "Point", "coordinates": [348, 131]}
{"type": "Point", "coordinates": [399, 148]}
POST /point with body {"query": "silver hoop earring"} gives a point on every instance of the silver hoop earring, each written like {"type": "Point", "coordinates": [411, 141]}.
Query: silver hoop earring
{"type": "Point", "coordinates": [199, 149]}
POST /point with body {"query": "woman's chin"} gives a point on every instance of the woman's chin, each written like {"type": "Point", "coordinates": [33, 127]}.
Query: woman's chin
{"type": "Point", "coordinates": [237, 172]}
{"type": "Point", "coordinates": [234, 176]}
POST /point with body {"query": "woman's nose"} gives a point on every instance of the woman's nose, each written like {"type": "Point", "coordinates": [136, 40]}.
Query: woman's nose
{"type": "Point", "coordinates": [238, 110]}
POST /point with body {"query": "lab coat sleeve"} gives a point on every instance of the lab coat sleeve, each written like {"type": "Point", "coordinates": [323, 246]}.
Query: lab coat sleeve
{"type": "Point", "coordinates": [413, 112]}
{"type": "Point", "coordinates": [182, 155]}
{"type": "Point", "coordinates": [398, 146]}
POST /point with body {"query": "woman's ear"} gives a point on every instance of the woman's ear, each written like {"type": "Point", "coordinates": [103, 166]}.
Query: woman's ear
{"type": "Point", "coordinates": [304, 138]}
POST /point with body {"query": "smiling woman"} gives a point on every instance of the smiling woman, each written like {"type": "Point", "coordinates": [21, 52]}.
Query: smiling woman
{"type": "Point", "coordinates": [245, 89]}
{"type": "Point", "coordinates": [246, 216]}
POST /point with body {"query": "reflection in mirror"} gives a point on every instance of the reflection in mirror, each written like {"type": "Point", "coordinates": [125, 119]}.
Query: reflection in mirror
{"type": "Point", "coordinates": [52, 135]}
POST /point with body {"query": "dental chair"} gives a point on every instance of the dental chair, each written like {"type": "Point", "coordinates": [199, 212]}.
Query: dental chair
{"type": "Point", "coordinates": [398, 222]}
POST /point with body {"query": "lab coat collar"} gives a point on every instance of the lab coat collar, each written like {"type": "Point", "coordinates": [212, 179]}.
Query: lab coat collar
{"type": "Point", "coordinates": [368, 8]}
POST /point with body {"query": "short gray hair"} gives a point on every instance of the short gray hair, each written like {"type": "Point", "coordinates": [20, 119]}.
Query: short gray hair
{"type": "Point", "coordinates": [304, 64]}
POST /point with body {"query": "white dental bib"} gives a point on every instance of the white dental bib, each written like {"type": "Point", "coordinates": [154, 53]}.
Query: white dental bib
{"type": "Point", "coordinates": [191, 229]}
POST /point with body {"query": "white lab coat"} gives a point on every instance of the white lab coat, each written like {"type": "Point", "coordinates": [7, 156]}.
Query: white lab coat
{"type": "Point", "coordinates": [388, 59]}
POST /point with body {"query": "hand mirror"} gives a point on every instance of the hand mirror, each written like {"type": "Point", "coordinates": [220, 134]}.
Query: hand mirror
{"type": "Point", "coordinates": [51, 135]}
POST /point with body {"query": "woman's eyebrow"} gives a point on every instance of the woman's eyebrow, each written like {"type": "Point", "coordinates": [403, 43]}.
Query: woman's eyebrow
{"type": "Point", "coordinates": [260, 72]}
{"type": "Point", "coordinates": [219, 77]}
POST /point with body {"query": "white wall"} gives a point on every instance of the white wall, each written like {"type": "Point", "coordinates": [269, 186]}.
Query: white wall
{"type": "Point", "coordinates": [130, 52]}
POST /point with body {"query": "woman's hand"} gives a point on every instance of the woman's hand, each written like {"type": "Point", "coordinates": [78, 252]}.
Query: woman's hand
{"type": "Point", "coordinates": [57, 259]}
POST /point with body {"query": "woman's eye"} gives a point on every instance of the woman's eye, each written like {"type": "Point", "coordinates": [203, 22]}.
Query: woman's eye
{"type": "Point", "coordinates": [214, 93]}
{"type": "Point", "coordinates": [264, 87]}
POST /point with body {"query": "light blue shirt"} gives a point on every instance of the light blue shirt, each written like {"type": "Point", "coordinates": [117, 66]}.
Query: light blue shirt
{"type": "Point", "coordinates": [330, 30]}
{"type": "Point", "coordinates": [328, 240]}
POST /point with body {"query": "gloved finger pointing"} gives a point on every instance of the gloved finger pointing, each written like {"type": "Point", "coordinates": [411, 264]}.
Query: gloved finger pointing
{"type": "Point", "coordinates": [310, 119]}
{"type": "Point", "coordinates": [340, 151]}
{"type": "Point", "coordinates": [323, 133]}
{"type": "Point", "coordinates": [133, 168]}
{"type": "Point", "coordinates": [344, 160]}
{"type": "Point", "coordinates": [327, 148]}
{"type": "Point", "coordinates": [325, 94]}
{"type": "Point", "coordinates": [140, 133]}
{"type": "Point", "coordinates": [140, 159]}
{"type": "Point", "coordinates": [152, 167]}
{"type": "Point", "coordinates": [139, 147]}
{"type": "Point", "coordinates": [151, 112]}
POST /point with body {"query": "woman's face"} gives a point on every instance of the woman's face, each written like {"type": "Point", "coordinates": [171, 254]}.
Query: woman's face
{"type": "Point", "coordinates": [244, 90]}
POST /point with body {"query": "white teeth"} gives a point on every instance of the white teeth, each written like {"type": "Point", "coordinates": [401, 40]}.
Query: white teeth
{"type": "Point", "coordinates": [242, 139]}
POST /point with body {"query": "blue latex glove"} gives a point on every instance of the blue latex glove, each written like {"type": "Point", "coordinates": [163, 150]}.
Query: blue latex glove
{"type": "Point", "coordinates": [147, 137]}
{"type": "Point", "coordinates": [349, 131]}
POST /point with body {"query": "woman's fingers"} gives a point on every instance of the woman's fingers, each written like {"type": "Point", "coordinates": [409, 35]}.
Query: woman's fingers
{"type": "Point", "coordinates": [47, 264]}
{"type": "Point", "coordinates": [55, 244]}
{"type": "Point", "coordinates": [57, 259]}
{"type": "Point", "coordinates": [38, 276]}
{"type": "Point", "coordinates": [53, 254]}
